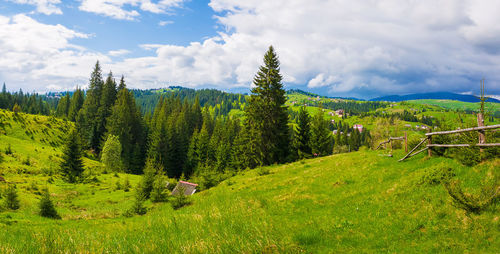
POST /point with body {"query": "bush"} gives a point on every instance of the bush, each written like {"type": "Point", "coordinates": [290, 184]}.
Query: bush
{"type": "Point", "coordinates": [437, 176]}
{"type": "Point", "coordinates": [159, 192]}
{"type": "Point", "coordinates": [180, 200]}
{"type": "Point", "coordinates": [8, 150]}
{"type": "Point", "coordinates": [471, 203]}
{"type": "Point", "coordinates": [11, 200]}
{"type": "Point", "coordinates": [138, 206]}
{"type": "Point", "coordinates": [340, 149]}
{"type": "Point", "coordinates": [47, 208]}
{"type": "Point", "coordinates": [207, 179]}
{"type": "Point", "coordinates": [263, 171]}
{"type": "Point", "coordinates": [126, 185]}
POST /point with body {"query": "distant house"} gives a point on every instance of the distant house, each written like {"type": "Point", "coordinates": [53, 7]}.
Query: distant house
{"type": "Point", "coordinates": [333, 120]}
{"type": "Point", "coordinates": [359, 127]}
{"type": "Point", "coordinates": [335, 132]}
{"type": "Point", "coordinates": [408, 125]}
{"type": "Point", "coordinates": [189, 188]}
{"type": "Point", "coordinates": [331, 113]}
{"type": "Point", "coordinates": [339, 112]}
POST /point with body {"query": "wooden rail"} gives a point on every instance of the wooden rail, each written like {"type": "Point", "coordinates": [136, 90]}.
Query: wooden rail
{"type": "Point", "coordinates": [402, 138]}
{"type": "Point", "coordinates": [479, 129]}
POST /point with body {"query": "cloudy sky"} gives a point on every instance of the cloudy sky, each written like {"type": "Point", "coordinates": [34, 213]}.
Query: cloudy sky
{"type": "Point", "coordinates": [360, 48]}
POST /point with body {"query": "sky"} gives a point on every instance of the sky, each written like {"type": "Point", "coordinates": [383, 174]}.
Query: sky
{"type": "Point", "coordinates": [357, 48]}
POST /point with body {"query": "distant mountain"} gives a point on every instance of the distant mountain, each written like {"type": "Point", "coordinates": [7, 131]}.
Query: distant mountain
{"type": "Point", "coordinates": [436, 96]}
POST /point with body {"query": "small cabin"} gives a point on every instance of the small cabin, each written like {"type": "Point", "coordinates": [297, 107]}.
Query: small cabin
{"type": "Point", "coordinates": [188, 188]}
{"type": "Point", "coordinates": [359, 127]}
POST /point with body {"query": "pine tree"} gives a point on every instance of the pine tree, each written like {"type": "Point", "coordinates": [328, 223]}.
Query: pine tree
{"type": "Point", "coordinates": [107, 100]}
{"type": "Point", "coordinates": [302, 134]}
{"type": "Point", "coordinates": [47, 208]}
{"type": "Point", "coordinates": [266, 113]}
{"type": "Point", "coordinates": [88, 120]}
{"type": "Point", "coordinates": [125, 122]}
{"type": "Point", "coordinates": [75, 104]}
{"type": "Point", "coordinates": [11, 198]}
{"type": "Point", "coordinates": [72, 164]}
{"type": "Point", "coordinates": [63, 106]}
{"type": "Point", "coordinates": [111, 154]}
{"type": "Point", "coordinates": [321, 142]}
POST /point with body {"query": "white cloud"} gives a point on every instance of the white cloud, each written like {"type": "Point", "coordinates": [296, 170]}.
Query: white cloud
{"type": "Point", "coordinates": [365, 48]}
{"type": "Point", "coordinates": [119, 52]}
{"type": "Point", "coordinates": [46, 7]}
{"type": "Point", "coordinates": [37, 56]}
{"type": "Point", "coordinates": [165, 22]}
{"type": "Point", "coordinates": [346, 47]}
{"type": "Point", "coordinates": [127, 9]}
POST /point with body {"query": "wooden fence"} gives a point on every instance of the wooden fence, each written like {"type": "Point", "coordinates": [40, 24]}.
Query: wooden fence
{"type": "Point", "coordinates": [481, 143]}
{"type": "Point", "coordinates": [402, 138]}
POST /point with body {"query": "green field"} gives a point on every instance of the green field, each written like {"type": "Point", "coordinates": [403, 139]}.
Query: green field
{"type": "Point", "coordinates": [355, 202]}
{"type": "Point", "coordinates": [458, 105]}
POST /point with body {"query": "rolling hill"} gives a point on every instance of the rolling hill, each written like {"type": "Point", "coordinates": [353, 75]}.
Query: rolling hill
{"type": "Point", "coordinates": [436, 96]}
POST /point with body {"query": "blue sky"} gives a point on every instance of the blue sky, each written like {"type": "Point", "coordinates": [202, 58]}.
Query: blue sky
{"type": "Point", "coordinates": [338, 48]}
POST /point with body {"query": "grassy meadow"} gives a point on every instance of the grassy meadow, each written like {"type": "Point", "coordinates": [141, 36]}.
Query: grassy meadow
{"type": "Point", "coordinates": [356, 202]}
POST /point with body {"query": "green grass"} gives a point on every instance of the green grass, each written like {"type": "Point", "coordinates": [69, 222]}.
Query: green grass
{"type": "Point", "coordinates": [358, 202]}
{"type": "Point", "coordinates": [458, 105]}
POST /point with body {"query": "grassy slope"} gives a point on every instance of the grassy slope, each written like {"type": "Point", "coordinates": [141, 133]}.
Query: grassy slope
{"type": "Point", "coordinates": [357, 202]}
{"type": "Point", "coordinates": [460, 105]}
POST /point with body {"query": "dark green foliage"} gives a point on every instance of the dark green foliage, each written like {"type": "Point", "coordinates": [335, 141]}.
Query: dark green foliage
{"type": "Point", "coordinates": [72, 164]}
{"type": "Point", "coordinates": [47, 208]}
{"type": "Point", "coordinates": [63, 106]}
{"type": "Point", "coordinates": [28, 103]}
{"type": "Point", "coordinates": [266, 113]}
{"type": "Point", "coordinates": [321, 140]}
{"type": "Point", "coordinates": [126, 123]}
{"type": "Point", "coordinates": [126, 185]}
{"type": "Point", "coordinates": [8, 150]}
{"type": "Point", "coordinates": [11, 199]}
{"type": "Point", "coordinates": [75, 104]}
{"type": "Point", "coordinates": [302, 135]}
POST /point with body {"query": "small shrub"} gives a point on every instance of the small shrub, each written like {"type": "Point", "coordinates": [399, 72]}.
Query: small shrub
{"type": "Point", "coordinates": [126, 185]}
{"type": "Point", "coordinates": [471, 203]}
{"type": "Point", "coordinates": [159, 192]}
{"type": "Point", "coordinates": [138, 206]}
{"type": "Point", "coordinates": [180, 200]}
{"type": "Point", "coordinates": [437, 176]}
{"type": "Point", "coordinates": [118, 185]}
{"type": "Point", "coordinates": [8, 150]}
{"type": "Point", "coordinates": [11, 200]}
{"type": "Point", "coordinates": [263, 171]}
{"type": "Point", "coordinates": [47, 208]}
{"type": "Point", "coordinates": [340, 149]}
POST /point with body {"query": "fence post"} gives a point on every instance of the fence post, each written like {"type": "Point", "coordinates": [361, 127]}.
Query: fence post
{"type": "Point", "coordinates": [482, 136]}
{"type": "Point", "coordinates": [406, 143]}
{"type": "Point", "coordinates": [429, 141]}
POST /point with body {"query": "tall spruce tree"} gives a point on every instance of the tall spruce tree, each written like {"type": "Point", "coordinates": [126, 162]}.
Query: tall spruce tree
{"type": "Point", "coordinates": [321, 140]}
{"type": "Point", "coordinates": [302, 134]}
{"type": "Point", "coordinates": [88, 121]}
{"type": "Point", "coordinates": [75, 104]}
{"type": "Point", "coordinates": [266, 114]}
{"type": "Point", "coordinates": [63, 106]}
{"type": "Point", "coordinates": [72, 164]}
{"type": "Point", "coordinates": [107, 100]}
{"type": "Point", "coordinates": [125, 122]}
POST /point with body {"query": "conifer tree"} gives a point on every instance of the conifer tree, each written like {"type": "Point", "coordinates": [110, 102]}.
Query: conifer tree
{"type": "Point", "coordinates": [302, 134]}
{"type": "Point", "coordinates": [63, 106]}
{"type": "Point", "coordinates": [321, 142]}
{"type": "Point", "coordinates": [72, 164]}
{"type": "Point", "coordinates": [47, 208]}
{"type": "Point", "coordinates": [125, 122]}
{"type": "Point", "coordinates": [107, 100]}
{"type": "Point", "coordinates": [266, 113]}
{"type": "Point", "coordinates": [11, 198]}
{"type": "Point", "coordinates": [88, 119]}
{"type": "Point", "coordinates": [75, 104]}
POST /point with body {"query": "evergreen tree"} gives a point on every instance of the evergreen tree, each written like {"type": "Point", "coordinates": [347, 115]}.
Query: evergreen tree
{"type": "Point", "coordinates": [72, 164]}
{"type": "Point", "coordinates": [75, 104]}
{"type": "Point", "coordinates": [107, 100]}
{"type": "Point", "coordinates": [111, 154]}
{"type": "Point", "coordinates": [321, 142]}
{"type": "Point", "coordinates": [63, 106]}
{"type": "Point", "coordinates": [88, 120]}
{"type": "Point", "coordinates": [11, 198]}
{"type": "Point", "coordinates": [47, 208]}
{"type": "Point", "coordinates": [302, 134]}
{"type": "Point", "coordinates": [266, 113]}
{"type": "Point", "coordinates": [125, 122]}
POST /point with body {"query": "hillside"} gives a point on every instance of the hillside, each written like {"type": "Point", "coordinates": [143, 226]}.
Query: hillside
{"type": "Point", "coordinates": [357, 202]}
{"type": "Point", "coordinates": [435, 96]}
